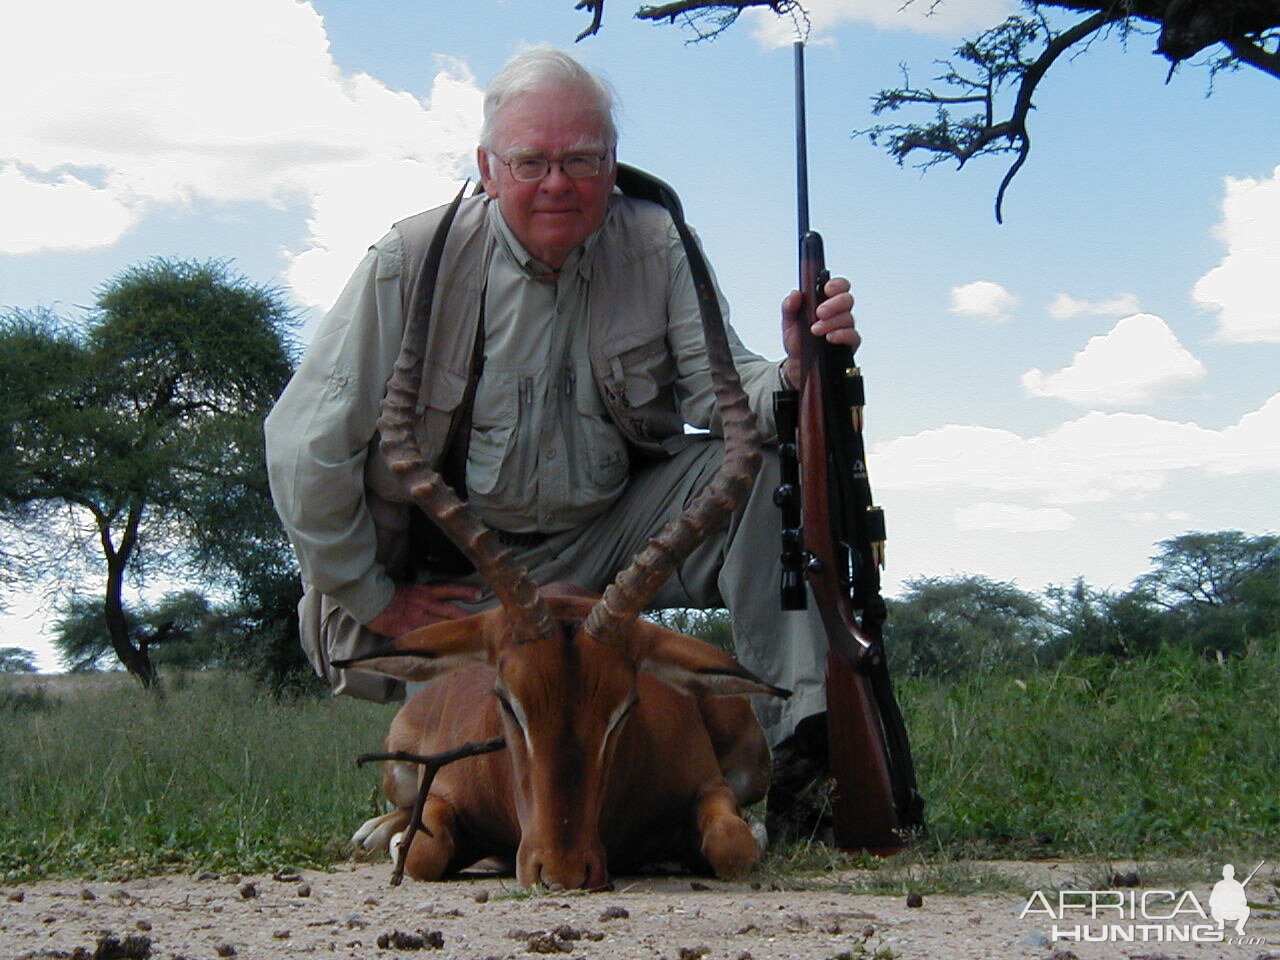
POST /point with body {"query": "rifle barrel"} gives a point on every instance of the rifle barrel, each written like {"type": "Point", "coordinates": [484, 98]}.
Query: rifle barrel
{"type": "Point", "coordinates": [802, 149]}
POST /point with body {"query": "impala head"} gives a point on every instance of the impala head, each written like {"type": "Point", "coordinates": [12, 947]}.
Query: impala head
{"type": "Point", "coordinates": [564, 700]}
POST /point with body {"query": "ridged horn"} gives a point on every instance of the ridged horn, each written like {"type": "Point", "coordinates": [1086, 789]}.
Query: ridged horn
{"type": "Point", "coordinates": [611, 618]}
{"type": "Point", "coordinates": [401, 445]}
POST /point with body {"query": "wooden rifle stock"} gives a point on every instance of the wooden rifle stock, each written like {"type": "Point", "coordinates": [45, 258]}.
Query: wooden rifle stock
{"type": "Point", "coordinates": [838, 547]}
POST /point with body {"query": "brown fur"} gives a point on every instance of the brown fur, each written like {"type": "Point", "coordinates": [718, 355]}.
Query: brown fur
{"type": "Point", "coordinates": [567, 799]}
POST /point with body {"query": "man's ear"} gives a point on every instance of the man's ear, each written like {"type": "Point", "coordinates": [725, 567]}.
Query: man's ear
{"type": "Point", "coordinates": [429, 653]}
{"type": "Point", "coordinates": [693, 666]}
{"type": "Point", "coordinates": [488, 175]}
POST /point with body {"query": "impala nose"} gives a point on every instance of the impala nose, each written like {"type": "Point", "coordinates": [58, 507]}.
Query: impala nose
{"type": "Point", "coordinates": [563, 873]}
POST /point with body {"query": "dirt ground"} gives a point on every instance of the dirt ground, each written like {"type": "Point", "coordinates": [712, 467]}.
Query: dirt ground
{"type": "Point", "coordinates": [353, 912]}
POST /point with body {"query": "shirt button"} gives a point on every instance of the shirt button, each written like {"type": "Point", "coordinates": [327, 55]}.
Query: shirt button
{"type": "Point", "coordinates": [551, 453]}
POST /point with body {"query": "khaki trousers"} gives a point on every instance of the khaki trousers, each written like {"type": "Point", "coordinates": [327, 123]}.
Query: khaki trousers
{"type": "Point", "coordinates": [736, 569]}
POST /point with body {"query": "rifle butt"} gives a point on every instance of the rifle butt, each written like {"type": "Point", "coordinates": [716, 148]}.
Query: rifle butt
{"type": "Point", "coordinates": [863, 811]}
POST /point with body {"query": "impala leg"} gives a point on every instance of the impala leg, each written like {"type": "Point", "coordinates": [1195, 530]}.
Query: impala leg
{"type": "Point", "coordinates": [431, 850]}
{"type": "Point", "coordinates": [727, 843]}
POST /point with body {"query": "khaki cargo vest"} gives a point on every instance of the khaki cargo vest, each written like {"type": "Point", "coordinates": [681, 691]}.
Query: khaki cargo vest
{"type": "Point", "coordinates": [631, 364]}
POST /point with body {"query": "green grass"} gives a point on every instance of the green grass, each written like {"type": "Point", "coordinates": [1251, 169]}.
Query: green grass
{"type": "Point", "coordinates": [216, 776]}
{"type": "Point", "coordinates": [1170, 757]}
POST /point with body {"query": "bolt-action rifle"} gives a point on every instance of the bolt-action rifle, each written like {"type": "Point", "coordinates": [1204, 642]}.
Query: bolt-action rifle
{"type": "Point", "coordinates": [833, 537]}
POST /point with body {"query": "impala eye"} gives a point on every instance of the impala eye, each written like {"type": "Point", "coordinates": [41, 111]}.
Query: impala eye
{"type": "Point", "coordinates": [506, 706]}
{"type": "Point", "coordinates": [621, 714]}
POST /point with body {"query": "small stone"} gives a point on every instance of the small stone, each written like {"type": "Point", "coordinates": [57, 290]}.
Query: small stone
{"type": "Point", "coordinates": [694, 953]}
{"type": "Point", "coordinates": [17, 896]}
{"type": "Point", "coordinates": [248, 891]}
{"type": "Point", "coordinates": [547, 943]}
{"type": "Point", "coordinates": [87, 894]}
{"type": "Point", "coordinates": [914, 899]}
{"type": "Point", "coordinates": [143, 925]}
{"type": "Point", "coordinates": [399, 940]}
{"type": "Point", "coordinates": [208, 876]}
{"type": "Point", "coordinates": [130, 948]}
{"type": "Point", "coordinates": [225, 950]}
{"type": "Point", "coordinates": [356, 922]}
{"type": "Point", "coordinates": [1125, 878]}
{"type": "Point", "coordinates": [304, 889]}
{"type": "Point", "coordinates": [615, 913]}
{"type": "Point", "coordinates": [698, 885]}
{"type": "Point", "coordinates": [280, 934]}
{"type": "Point", "coordinates": [566, 932]}
{"type": "Point", "coordinates": [482, 896]}
{"type": "Point", "coordinates": [286, 876]}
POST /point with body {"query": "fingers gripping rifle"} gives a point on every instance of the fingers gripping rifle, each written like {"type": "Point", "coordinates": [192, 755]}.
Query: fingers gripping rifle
{"type": "Point", "coordinates": [833, 537]}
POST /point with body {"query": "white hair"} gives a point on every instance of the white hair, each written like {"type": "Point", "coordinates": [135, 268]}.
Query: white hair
{"type": "Point", "coordinates": [538, 69]}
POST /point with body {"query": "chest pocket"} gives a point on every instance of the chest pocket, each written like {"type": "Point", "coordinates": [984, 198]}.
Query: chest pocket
{"type": "Point", "coordinates": [494, 421]}
{"type": "Point", "coordinates": [637, 374]}
{"type": "Point", "coordinates": [604, 456]}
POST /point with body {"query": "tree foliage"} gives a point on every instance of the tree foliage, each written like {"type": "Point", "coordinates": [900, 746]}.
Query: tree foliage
{"type": "Point", "coordinates": [17, 660]}
{"type": "Point", "coordinates": [947, 627]}
{"type": "Point", "coordinates": [133, 443]}
{"type": "Point", "coordinates": [1214, 594]}
{"type": "Point", "coordinates": [984, 96]}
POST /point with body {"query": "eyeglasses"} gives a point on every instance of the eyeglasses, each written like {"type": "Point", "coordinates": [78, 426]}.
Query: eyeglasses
{"type": "Point", "coordinates": [576, 166]}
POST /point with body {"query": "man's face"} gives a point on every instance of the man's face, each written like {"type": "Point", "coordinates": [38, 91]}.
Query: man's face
{"type": "Point", "coordinates": [551, 216]}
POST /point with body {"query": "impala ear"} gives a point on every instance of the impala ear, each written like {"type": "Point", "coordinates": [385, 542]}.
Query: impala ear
{"type": "Point", "coordinates": [693, 666]}
{"type": "Point", "coordinates": [429, 653]}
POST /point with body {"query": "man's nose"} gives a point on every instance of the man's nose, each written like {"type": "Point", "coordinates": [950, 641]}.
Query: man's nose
{"type": "Point", "coordinates": [556, 179]}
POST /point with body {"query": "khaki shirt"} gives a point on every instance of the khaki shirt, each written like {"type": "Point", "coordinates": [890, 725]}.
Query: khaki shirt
{"type": "Point", "coordinates": [544, 453]}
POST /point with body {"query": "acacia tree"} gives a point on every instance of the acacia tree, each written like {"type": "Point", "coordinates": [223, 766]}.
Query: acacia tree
{"type": "Point", "coordinates": [957, 626]}
{"type": "Point", "coordinates": [994, 76]}
{"type": "Point", "coordinates": [126, 437]}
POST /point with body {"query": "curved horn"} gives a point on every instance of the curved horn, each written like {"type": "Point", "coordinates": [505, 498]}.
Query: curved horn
{"type": "Point", "coordinates": [527, 611]}
{"type": "Point", "coordinates": [634, 587]}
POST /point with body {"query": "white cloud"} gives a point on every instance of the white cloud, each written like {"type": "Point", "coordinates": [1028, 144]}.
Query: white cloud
{"type": "Point", "coordinates": [1065, 306]}
{"type": "Point", "coordinates": [1138, 361]}
{"type": "Point", "coordinates": [1012, 518]}
{"type": "Point", "coordinates": [1242, 288]}
{"type": "Point", "coordinates": [80, 215]}
{"type": "Point", "coordinates": [158, 103]}
{"type": "Point", "coordinates": [983, 299]}
{"type": "Point", "coordinates": [917, 16]}
{"type": "Point", "coordinates": [1095, 458]}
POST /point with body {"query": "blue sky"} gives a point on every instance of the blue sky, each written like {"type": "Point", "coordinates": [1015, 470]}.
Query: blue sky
{"type": "Point", "coordinates": [1048, 398]}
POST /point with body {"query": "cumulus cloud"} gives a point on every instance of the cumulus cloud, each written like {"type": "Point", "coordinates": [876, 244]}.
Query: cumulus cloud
{"type": "Point", "coordinates": [1012, 518]}
{"type": "Point", "coordinates": [36, 207]}
{"type": "Point", "coordinates": [983, 300]}
{"type": "Point", "coordinates": [1242, 288]}
{"type": "Point", "coordinates": [1095, 458]}
{"type": "Point", "coordinates": [1065, 306]}
{"type": "Point", "coordinates": [917, 16]}
{"type": "Point", "coordinates": [1138, 361]}
{"type": "Point", "coordinates": [148, 103]}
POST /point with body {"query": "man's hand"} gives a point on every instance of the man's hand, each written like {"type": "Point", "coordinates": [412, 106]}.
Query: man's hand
{"type": "Point", "coordinates": [835, 322]}
{"type": "Point", "coordinates": [420, 605]}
